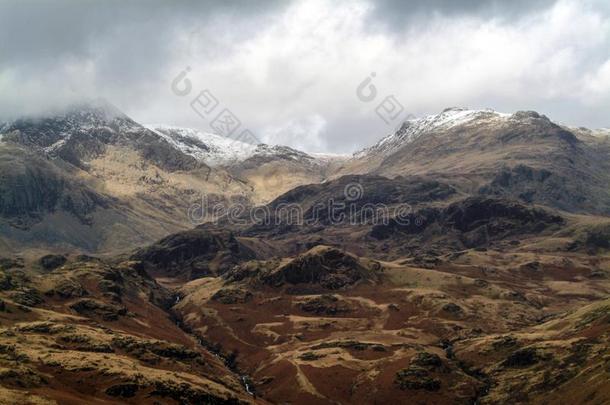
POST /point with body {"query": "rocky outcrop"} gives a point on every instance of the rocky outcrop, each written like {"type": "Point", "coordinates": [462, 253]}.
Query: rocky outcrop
{"type": "Point", "coordinates": [322, 267]}
{"type": "Point", "coordinates": [325, 304]}
{"type": "Point", "coordinates": [51, 262]}
{"type": "Point", "coordinates": [232, 296]}
{"type": "Point", "coordinates": [328, 267]}
{"type": "Point", "coordinates": [192, 254]}
{"type": "Point", "coordinates": [97, 309]}
{"type": "Point", "coordinates": [474, 221]}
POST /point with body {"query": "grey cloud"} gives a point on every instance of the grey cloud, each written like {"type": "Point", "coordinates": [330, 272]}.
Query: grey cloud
{"type": "Point", "coordinates": [58, 51]}
{"type": "Point", "coordinates": [398, 14]}
{"type": "Point", "coordinates": [33, 30]}
{"type": "Point", "coordinates": [44, 32]}
{"type": "Point", "coordinates": [119, 49]}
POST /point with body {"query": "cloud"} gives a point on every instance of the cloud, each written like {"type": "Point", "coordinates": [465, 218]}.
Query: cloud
{"type": "Point", "coordinates": [306, 133]}
{"type": "Point", "coordinates": [396, 14]}
{"type": "Point", "coordinates": [289, 70]}
{"type": "Point", "coordinates": [597, 84]}
{"type": "Point", "coordinates": [61, 51]}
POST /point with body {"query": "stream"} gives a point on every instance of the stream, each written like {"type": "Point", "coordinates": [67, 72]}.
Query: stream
{"type": "Point", "coordinates": [244, 379]}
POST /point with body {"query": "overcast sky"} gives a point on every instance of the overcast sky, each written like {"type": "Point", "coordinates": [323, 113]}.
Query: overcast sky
{"type": "Point", "coordinates": [290, 70]}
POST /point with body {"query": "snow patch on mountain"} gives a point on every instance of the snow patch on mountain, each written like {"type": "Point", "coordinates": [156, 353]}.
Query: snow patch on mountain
{"type": "Point", "coordinates": [57, 145]}
{"type": "Point", "coordinates": [214, 150]}
{"type": "Point", "coordinates": [328, 157]}
{"type": "Point", "coordinates": [599, 132]}
{"type": "Point", "coordinates": [412, 129]}
{"type": "Point", "coordinates": [603, 131]}
{"type": "Point", "coordinates": [266, 152]}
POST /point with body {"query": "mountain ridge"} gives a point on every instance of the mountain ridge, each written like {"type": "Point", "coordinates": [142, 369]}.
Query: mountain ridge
{"type": "Point", "coordinates": [158, 172]}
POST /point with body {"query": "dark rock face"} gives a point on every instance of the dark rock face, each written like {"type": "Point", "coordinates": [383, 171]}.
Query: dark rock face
{"type": "Point", "coordinates": [232, 296]}
{"type": "Point", "coordinates": [420, 373]}
{"type": "Point", "coordinates": [142, 349]}
{"type": "Point", "coordinates": [522, 358]}
{"type": "Point", "coordinates": [414, 378]}
{"type": "Point", "coordinates": [311, 356]}
{"type": "Point", "coordinates": [504, 342]}
{"type": "Point", "coordinates": [325, 304]}
{"type": "Point", "coordinates": [327, 267]}
{"type": "Point", "coordinates": [85, 343]}
{"type": "Point", "coordinates": [498, 214]}
{"type": "Point", "coordinates": [22, 378]}
{"type": "Point", "coordinates": [8, 282]}
{"type": "Point", "coordinates": [69, 289]}
{"type": "Point", "coordinates": [8, 263]}
{"type": "Point", "coordinates": [323, 204]}
{"type": "Point", "coordinates": [427, 360]}
{"type": "Point", "coordinates": [474, 221]}
{"type": "Point", "coordinates": [195, 253]}
{"type": "Point", "coordinates": [31, 187]}
{"type": "Point", "coordinates": [27, 296]}
{"type": "Point", "coordinates": [453, 309]}
{"type": "Point", "coordinates": [51, 262]}
{"type": "Point", "coordinates": [94, 308]}
{"type": "Point", "coordinates": [249, 270]}
{"type": "Point", "coordinates": [186, 394]}
{"type": "Point", "coordinates": [532, 185]}
{"type": "Point", "coordinates": [127, 390]}
{"type": "Point", "coordinates": [597, 238]}
{"type": "Point", "coordinates": [320, 268]}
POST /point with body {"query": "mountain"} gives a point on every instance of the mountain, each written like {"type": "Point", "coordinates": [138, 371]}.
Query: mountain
{"type": "Point", "coordinates": [90, 178]}
{"type": "Point", "coordinates": [84, 131]}
{"type": "Point", "coordinates": [101, 173]}
{"type": "Point", "coordinates": [113, 183]}
{"type": "Point", "coordinates": [412, 129]}
{"type": "Point", "coordinates": [269, 169]}
{"type": "Point", "coordinates": [522, 155]}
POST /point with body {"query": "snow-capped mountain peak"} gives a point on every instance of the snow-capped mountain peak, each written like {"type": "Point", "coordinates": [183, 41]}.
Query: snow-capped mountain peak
{"type": "Point", "coordinates": [213, 149]}
{"type": "Point", "coordinates": [414, 128]}
{"type": "Point", "coordinates": [52, 131]}
{"type": "Point", "coordinates": [217, 150]}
